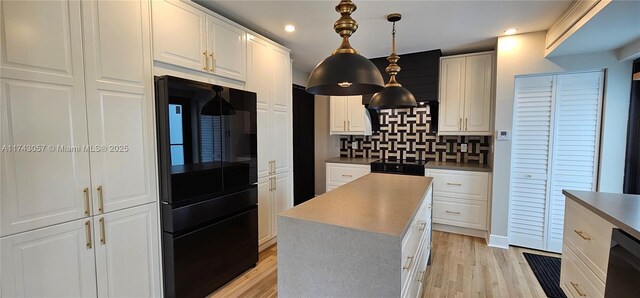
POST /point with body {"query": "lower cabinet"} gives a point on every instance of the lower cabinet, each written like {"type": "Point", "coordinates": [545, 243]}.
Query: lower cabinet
{"type": "Point", "coordinates": [416, 249]}
{"type": "Point", "coordinates": [115, 254]}
{"type": "Point", "coordinates": [275, 194]}
{"type": "Point", "coordinates": [339, 174]}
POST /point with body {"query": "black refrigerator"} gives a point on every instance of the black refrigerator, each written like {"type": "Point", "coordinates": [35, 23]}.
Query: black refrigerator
{"type": "Point", "coordinates": [207, 159]}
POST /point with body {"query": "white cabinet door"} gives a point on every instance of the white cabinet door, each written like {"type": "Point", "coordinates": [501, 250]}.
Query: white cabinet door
{"type": "Point", "coordinates": [259, 80]}
{"type": "Point", "coordinates": [477, 98]}
{"type": "Point", "coordinates": [282, 196]}
{"type": "Point", "coordinates": [226, 49]}
{"type": "Point", "coordinates": [179, 34]}
{"type": "Point", "coordinates": [127, 256]}
{"type": "Point", "coordinates": [265, 210]}
{"type": "Point", "coordinates": [356, 114]}
{"type": "Point", "coordinates": [451, 94]}
{"type": "Point", "coordinates": [56, 261]}
{"type": "Point", "coordinates": [42, 102]}
{"type": "Point", "coordinates": [282, 135]}
{"type": "Point", "coordinates": [338, 113]}
{"type": "Point", "coordinates": [119, 92]}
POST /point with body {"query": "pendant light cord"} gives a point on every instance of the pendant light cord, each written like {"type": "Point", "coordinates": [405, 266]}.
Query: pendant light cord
{"type": "Point", "coordinates": [393, 34]}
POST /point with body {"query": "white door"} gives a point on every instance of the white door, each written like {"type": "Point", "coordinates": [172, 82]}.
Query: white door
{"type": "Point", "coordinates": [338, 113]}
{"type": "Point", "coordinates": [179, 35]}
{"type": "Point", "coordinates": [282, 135]}
{"type": "Point", "coordinates": [56, 261]}
{"type": "Point", "coordinates": [530, 160]}
{"type": "Point", "coordinates": [265, 217]}
{"type": "Point", "coordinates": [227, 49]}
{"type": "Point", "coordinates": [282, 196]}
{"type": "Point", "coordinates": [578, 106]}
{"type": "Point", "coordinates": [477, 103]}
{"type": "Point", "coordinates": [120, 110]}
{"type": "Point", "coordinates": [356, 114]}
{"type": "Point", "coordinates": [42, 103]}
{"type": "Point", "coordinates": [451, 94]}
{"type": "Point", "coordinates": [127, 257]}
{"type": "Point", "coordinates": [260, 78]}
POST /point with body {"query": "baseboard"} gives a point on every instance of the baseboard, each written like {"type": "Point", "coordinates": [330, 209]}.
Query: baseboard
{"type": "Point", "coordinates": [459, 230]}
{"type": "Point", "coordinates": [499, 241]}
{"type": "Point", "coordinates": [267, 244]}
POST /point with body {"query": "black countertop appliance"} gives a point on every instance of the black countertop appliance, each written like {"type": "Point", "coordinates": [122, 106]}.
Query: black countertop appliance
{"type": "Point", "coordinates": [207, 159]}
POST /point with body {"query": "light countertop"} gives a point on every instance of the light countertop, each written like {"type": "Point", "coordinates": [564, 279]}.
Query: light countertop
{"type": "Point", "coordinates": [378, 203]}
{"type": "Point", "coordinates": [621, 210]}
{"type": "Point", "coordinates": [352, 160]}
{"type": "Point", "coordinates": [451, 165]}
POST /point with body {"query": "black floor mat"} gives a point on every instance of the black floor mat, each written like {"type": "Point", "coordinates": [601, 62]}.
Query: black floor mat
{"type": "Point", "coordinates": [547, 271]}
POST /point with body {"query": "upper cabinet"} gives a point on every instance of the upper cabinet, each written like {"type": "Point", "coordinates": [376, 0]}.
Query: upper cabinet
{"type": "Point", "coordinates": [466, 93]}
{"type": "Point", "coordinates": [185, 36]}
{"type": "Point", "coordinates": [348, 116]}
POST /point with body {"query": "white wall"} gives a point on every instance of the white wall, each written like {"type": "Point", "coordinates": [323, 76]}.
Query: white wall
{"type": "Point", "coordinates": [326, 146]}
{"type": "Point", "coordinates": [523, 54]}
{"type": "Point", "coordinates": [299, 77]}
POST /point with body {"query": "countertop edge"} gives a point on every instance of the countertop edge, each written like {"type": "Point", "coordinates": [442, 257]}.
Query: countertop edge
{"type": "Point", "coordinates": [618, 223]}
{"type": "Point", "coordinates": [343, 227]}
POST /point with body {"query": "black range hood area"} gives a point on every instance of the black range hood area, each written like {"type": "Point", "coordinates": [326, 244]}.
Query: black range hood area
{"type": "Point", "coordinates": [420, 75]}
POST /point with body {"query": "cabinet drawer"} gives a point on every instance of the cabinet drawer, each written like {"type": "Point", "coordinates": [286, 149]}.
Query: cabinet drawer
{"type": "Point", "coordinates": [409, 253]}
{"type": "Point", "coordinates": [461, 213]}
{"type": "Point", "coordinates": [468, 185]}
{"type": "Point", "coordinates": [589, 236]}
{"type": "Point", "coordinates": [576, 279]}
{"type": "Point", "coordinates": [343, 173]}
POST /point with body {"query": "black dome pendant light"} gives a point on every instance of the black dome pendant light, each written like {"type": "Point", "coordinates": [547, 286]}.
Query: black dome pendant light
{"type": "Point", "coordinates": [394, 96]}
{"type": "Point", "coordinates": [345, 72]}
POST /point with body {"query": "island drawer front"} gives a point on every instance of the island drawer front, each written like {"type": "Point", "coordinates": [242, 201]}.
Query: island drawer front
{"type": "Point", "coordinates": [409, 253]}
{"type": "Point", "coordinates": [345, 173]}
{"type": "Point", "coordinates": [413, 283]}
{"type": "Point", "coordinates": [576, 279]}
{"type": "Point", "coordinates": [461, 213]}
{"type": "Point", "coordinates": [589, 235]}
{"type": "Point", "coordinates": [461, 184]}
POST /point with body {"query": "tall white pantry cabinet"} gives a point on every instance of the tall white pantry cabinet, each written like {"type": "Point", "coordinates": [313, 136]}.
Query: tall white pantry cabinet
{"type": "Point", "coordinates": [79, 223]}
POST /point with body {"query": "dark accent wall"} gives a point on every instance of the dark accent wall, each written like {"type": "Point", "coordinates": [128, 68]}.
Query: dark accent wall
{"type": "Point", "coordinates": [303, 145]}
{"type": "Point", "coordinates": [406, 134]}
{"type": "Point", "coordinates": [632, 162]}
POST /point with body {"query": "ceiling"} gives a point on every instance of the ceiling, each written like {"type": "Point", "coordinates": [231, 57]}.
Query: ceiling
{"type": "Point", "coordinates": [453, 26]}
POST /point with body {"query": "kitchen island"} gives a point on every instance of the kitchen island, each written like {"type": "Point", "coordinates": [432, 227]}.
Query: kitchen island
{"type": "Point", "coordinates": [368, 238]}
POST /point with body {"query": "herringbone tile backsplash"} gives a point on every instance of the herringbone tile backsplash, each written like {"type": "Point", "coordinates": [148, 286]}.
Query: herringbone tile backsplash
{"type": "Point", "coordinates": [406, 134]}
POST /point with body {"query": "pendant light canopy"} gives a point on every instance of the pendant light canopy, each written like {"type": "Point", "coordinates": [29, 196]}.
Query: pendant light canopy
{"type": "Point", "coordinates": [394, 96]}
{"type": "Point", "coordinates": [345, 72]}
{"type": "Point", "coordinates": [217, 106]}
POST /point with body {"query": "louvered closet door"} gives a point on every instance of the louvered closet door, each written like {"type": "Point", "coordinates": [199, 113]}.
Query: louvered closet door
{"type": "Point", "coordinates": [530, 156]}
{"type": "Point", "coordinates": [575, 147]}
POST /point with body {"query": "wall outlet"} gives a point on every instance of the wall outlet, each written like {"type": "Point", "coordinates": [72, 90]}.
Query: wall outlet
{"type": "Point", "coordinates": [354, 145]}
{"type": "Point", "coordinates": [463, 148]}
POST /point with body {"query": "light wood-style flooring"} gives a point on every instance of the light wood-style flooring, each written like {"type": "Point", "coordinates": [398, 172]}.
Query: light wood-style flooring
{"type": "Point", "coordinates": [461, 266]}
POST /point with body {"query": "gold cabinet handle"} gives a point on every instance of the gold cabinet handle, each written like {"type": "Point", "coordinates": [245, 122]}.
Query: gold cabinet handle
{"type": "Point", "coordinates": [581, 234]}
{"type": "Point", "coordinates": [348, 125]}
{"type": "Point", "coordinates": [422, 226]}
{"type": "Point", "coordinates": [407, 265]}
{"type": "Point", "coordinates": [465, 124]}
{"type": "Point", "coordinates": [87, 211]}
{"type": "Point", "coordinates": [344, 125]}
{"type": "Point", "coordinates": [87, 227]}
{"type": "Point", "coordinates": [577, 287]}
{"type": "Point", "coordinates": [274, 167]}
{"type": "Point", "coordinates": [420, 277]}
{"type": "Point", "coordinates": [100, 200]}
{"type": "Point", "coordinates": [460, 124]}
{"type": "Point", "coordinates": [213, 63]}
{"type": "Point", "coordinates": [103, 240]}
{"type": "Point", "coordinates": [206, 60]}
{"type": "Point", "coordinates": [275, 184]}
{"type": "Point", "coordinates": [271, 184]}
{"type": "Point", "coordinates": [452, 212]}
{"type": "Point", "coordinates": [454, 184]}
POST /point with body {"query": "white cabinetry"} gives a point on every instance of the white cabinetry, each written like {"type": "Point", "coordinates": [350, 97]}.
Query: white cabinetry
{"type": "Point", "coordinates": [466, 92]}
{"type": "Point", "coordinates": [416, 249]}
{"type": "Point", "coordinates": [186, 36]}
{"type": "Point", "coordinates": [339, 174]}
{"type": "Point", "coordinates": [84, 90]}
{"type": "Point", "coordinates": [460, 199]}
{"type": "Point", "coordinates": [556, 130]}
{"type": "Point", "coordinates": [269, 75]}
{"type": "Point", "coordinates": [348, 116]}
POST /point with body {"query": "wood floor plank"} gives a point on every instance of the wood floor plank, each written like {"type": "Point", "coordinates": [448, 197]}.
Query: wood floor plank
{"type": "Point", "coordinates": [462, 266]}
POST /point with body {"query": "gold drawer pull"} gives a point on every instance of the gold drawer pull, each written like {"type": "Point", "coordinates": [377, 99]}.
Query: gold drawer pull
{"type": "Point", "coordinates": [577, 287]}
{"type": "Point", "coordinates": [420, 277]}
{"type": "Point", "coordinates": [100, 200]}
{"type": "Point", "coordinates": [408, 264]}
{"type": "Point", "coordinates": [452, 212]}
{"type": "Point", "coordinates": [86, 202]}
{"type": "Point", "coordinates": [581, 234]}
{"type": "Point", "coordinates": [206, 61]}
{"type": "Point", "coordinates": [345, 175]}
{"type": "Point", "coordinates": [87, 226]}
{"type": "Point", "coordinates": [454, 184]}
{"type": "Point", "coordinates": [422, 226]}
{"type": "Point", "coordinates": [103, 240]}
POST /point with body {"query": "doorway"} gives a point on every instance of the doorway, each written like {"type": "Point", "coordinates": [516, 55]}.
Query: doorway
{"type": "Point", "coordinates": [303, 146]}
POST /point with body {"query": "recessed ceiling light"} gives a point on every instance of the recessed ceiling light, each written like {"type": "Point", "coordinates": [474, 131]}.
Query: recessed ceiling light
{"type": "Point", "coordinates": [289, 28]}
{"type": "Point", "coordinates": [510, 31]}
